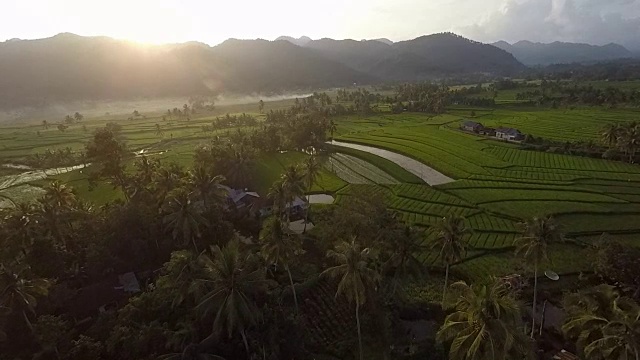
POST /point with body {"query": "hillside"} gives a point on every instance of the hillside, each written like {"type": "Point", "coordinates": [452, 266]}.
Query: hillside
{"type": "Point", "coordinates": [68, 67]}
{"type": "Point", "coordinates": [531, 53]}
{"type": "Point", "coordinates": [422, 58]}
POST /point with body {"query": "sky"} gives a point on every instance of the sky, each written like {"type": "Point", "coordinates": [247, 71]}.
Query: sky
{"type": "Point", "coordinates": [213, 21]}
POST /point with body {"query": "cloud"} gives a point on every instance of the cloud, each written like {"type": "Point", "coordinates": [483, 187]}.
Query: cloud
{"type": "Point", "coordinates": [588, 21]}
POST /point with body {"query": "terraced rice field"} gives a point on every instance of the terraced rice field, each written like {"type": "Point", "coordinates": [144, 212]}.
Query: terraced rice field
{"type": "Point", "coordinates": [499, 185]}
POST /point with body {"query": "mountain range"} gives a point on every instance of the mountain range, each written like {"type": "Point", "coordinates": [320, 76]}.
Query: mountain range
{"type": "Point", "coordinates": [530, 53]}
{"type": "Point", "coordinates": [69, 67]}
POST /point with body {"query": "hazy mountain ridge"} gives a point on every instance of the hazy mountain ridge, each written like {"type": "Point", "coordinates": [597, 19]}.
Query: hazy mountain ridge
{"type": "Point", "coordinates": [69, 67]}
{"type": "Point", "coordinates": [530, 53]}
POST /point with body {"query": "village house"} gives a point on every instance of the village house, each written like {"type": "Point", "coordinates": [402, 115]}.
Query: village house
{"type": "Point", "coordinates": [509, 134]}
{"type": "Point", "coordinates": [469, 125]}
{"type": "Point", "coordinates": [241, 199]}
{"type": "Point", "coordinates": [487, 131]}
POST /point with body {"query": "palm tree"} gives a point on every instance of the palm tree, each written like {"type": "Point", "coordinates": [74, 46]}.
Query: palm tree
{"type": "Point", "coordinates": [485, 324]}
{"type": "Point", "coordinates": [78, 117]}
{"type": "Point", "coordinates": [630, 140]}
{"type": "Point", "coordinates": [45, 124]}
{"type": "Point", "coordinates": [19, 293]}
{"type": "Point", "coordinates": [605, 324]}
{"type": "Point", "coordinates": [159, 131]}
{"type": "Point", "coordinates": [610, 134]}
{"type": "Point", "coordinates": [233, 278]}
{"type": "Point", "coordinates": [261, 106]}
{"type": "Point", "coordinates": [356, 276]}
{"type": "Point", "coordinates": [539, 233]}
{"type": "Point", "coordinates": [293, 183]}
{"type": "Point", "coordinates": [184, 219]}
{"type": "Point", "coordinates": [59, 195]}
{"type": "Point", "coordinates": [312, 170]}
{"type": "Point", "coordinates": [451, 231]}
{"type": "Point", "coordinates": [277, 194]}
{"type": "Point", "coordinates": [402, 260]}
{"type": "Point", "coordinates": [209, 187]}
{"type": "Point", "coordinates": [332, 128]}
{"type": "Point", "coordinates": [280, 246]}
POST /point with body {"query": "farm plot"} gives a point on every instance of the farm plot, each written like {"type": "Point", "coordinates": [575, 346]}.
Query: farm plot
{"type": "Point", "coordinates": [357, 171]}
{"type": "Point", "coordinates": [497, 194]}
{"type": "Point", "coordinates": [584, 223]}
{"type": "Point", "coordinates": [537, 159]}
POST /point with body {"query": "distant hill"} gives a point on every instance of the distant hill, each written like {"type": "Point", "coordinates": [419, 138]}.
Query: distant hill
{"type": "Point", "coordinates": [68, 67]}
{"type": "Point", "coordinates": [301, 41]}
{"type": "Point", "coordinates": [422, 58]}
{"type": "Point", "coordinates": [531, 53]}
{"type": "Point", "coordinates": [384, 40]}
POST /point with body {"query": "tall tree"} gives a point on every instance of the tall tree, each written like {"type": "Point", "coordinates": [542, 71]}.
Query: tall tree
{"type": "Point", "coordinates": [450, 240]}
{"type": "Point", "coordinates": [280, 247]}
{"type": "Point", "coordinates": [403, 249]}
{"type": "Point", "coordinates": [184, 218]}
{"type": "Point", "coordinates": [357, 277]}
{"type": "Point", "coordinates": [294, 184]}
{"type": "Point", "coordinates": [532, 247]}
{"type": "Point", "coordinates": [233, 279]}
{"type": "Point", "coordinates": [78, 117]}
{"type": "Point", "coordinates": [312, 170]}
{"type": "Point", "coordinates": [485, 324]}
{"type": "Point", "coordinates": [108, 153]}
{"type": "Point", "coordinates": [45, 124]}
{"type": "Point", "coordinates": [207, 186]}
{"type": "Point", "coordinates": [159, 131]}
{"type": "Point", "coordinates": [261, 105]}
{"type": "Point", "coordinates": [605, 324]}
{"type": "Point", "coordinates": [19, 292]}
{"type": "Point", "coordinates": [610, 134]}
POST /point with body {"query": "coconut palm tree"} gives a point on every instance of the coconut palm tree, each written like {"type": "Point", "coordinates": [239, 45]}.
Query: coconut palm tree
{"type": "Point", "coordinates": [59, 196]}
{"type": "Point", "coordinates": [184, 218]}
{"type": "Point", "coordinates": [356, 276]}
{"type": "Point", "coordinates": [312, 170]}
{"type": "Point", "coordinates": [19, 293]}
{"type": "Point", "coordinates": [208, 186]}
{"type": "Point", "coordinates": [293, 180]}
{"type": "Point", "coordinates": [233, 278]}
{"type": "Point", "coordinates": [280, 246]}
{"type": "Point", "coordinates": [539, 233]}
{"type": "Point", "coordinates": [629, 140]}
{"type": "Point", "coordinates": [605, 324]}
{"type": "Point", "coordinates": [485, 324]}
{"type": "Point", "coordinates": [610, 134]}
{"type": "Point", "coordinates": [159, 131]}
{"type": "Point", "coordinates": [277, 194]}
{"type": "Point", "coordinates": [450, 240]}
{"type": "Point", "coordinates": [332, 128]}
{"type": "Point", "coordinates": [402, 261]}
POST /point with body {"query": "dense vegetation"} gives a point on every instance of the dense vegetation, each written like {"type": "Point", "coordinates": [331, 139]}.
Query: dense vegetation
{"type": "Point", "coordinates": [391, 254]}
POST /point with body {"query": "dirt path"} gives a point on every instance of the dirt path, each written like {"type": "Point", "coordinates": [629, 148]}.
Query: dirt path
{"type": "Point", "coordinates": [429, 175]}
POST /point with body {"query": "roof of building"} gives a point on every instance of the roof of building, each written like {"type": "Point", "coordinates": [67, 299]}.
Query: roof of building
{"type": "Point", "coordinates": [508, 131]}
{"type": "Point", "coordinates": [471, 123]}
{"type": "Point", "coordinates": [236, 195]}
{"type": "Point", "coordinates": [565, 355]}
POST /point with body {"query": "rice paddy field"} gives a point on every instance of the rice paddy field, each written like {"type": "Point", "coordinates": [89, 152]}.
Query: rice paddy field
{"type": "Point", "coordinates": [498, 185]}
